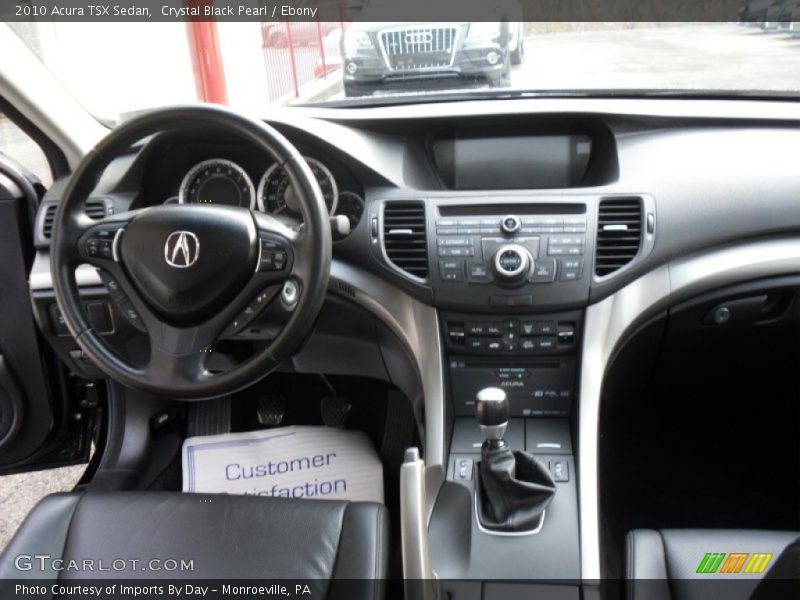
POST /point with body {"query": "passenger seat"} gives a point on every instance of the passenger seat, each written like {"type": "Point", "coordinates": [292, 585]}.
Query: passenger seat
{"type": "Point", "coordinates": [705, 564]}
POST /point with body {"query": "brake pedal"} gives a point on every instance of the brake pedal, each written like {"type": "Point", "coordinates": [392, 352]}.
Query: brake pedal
{"type": "Point", "coordinates": [271, 409]}
{"type": "Point", "coordinates": [335, 411]}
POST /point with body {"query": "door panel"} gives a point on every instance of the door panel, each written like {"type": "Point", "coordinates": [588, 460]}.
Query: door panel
{"type": "Point", "coordinates": [38, 406]}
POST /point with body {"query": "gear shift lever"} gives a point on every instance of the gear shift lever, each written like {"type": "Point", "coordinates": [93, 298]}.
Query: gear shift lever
{"type": "Point", "coordinates": [491, 411]}
{"type": "Point", "coordinates": [513, 487]}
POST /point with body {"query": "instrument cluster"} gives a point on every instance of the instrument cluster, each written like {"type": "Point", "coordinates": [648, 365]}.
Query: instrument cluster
{"type": "Point", "coordinates": [223, 181]}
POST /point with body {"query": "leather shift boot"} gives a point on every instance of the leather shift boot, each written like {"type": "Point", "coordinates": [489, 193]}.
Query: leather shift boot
{"type": "Point", "coordinates": [513, 488]}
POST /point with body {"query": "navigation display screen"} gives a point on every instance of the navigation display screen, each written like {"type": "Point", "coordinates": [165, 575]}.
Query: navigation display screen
{"type": "Point", "coordinates": [513, 161]}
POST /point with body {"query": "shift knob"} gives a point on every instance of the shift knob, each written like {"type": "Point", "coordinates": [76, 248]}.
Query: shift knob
{"type": "Point", "coordinates": [491, 410]}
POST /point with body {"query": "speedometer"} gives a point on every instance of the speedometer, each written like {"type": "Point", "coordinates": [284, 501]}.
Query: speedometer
{"type": "Point", "coordinates": [217, 181]}
{"type": "Point", "coordinates": [276, 195]}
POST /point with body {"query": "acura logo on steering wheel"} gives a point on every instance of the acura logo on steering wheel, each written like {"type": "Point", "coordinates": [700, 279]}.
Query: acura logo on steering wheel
{"type": "Point", "coordinates": [182, 249]}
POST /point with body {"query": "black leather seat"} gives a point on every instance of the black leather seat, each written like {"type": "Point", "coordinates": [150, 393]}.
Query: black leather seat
{"type": "Point", "coordinates": [225, 537]}
{"type": "Point", "coordinates": [672, 564]}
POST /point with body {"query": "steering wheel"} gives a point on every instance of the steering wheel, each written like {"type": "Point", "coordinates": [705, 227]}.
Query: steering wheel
{"type": "Point", "coordinates": [190, 270]}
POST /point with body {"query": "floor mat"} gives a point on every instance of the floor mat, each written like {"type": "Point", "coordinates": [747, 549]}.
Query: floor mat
{"type": "Point", "coordinates": [292, 462]}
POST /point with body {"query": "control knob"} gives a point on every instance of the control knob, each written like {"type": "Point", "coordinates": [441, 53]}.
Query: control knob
{"type": "Point", "coordinates": [510, 224]}
{"type": "Point", "coordinates": [512, 262]}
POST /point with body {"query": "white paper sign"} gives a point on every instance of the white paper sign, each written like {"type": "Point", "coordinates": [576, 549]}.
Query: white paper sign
{"type": "Point", "coordinates": [290, 462]}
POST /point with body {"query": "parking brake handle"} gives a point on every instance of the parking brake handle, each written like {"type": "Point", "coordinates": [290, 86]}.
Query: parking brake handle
{"type": "Point", "coordinates": [420, 580]}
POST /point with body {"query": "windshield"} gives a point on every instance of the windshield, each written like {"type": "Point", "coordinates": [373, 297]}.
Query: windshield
{"type": "Point", "coordinates": [118, 68]}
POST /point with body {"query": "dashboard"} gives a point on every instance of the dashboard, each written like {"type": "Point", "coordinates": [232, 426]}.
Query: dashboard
{"type": "Point", "coordinates": [700, 173]}
{"type": "Point", "coordinates": [575, 201]}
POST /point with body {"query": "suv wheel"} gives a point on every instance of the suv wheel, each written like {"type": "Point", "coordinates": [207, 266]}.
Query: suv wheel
{"type": "Point", "coordinates": [504, 78]}
{"type": "Point", "coordinates": [518, 53]}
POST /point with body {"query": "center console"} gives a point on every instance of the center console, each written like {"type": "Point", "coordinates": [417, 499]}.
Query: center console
{"type": "Point", "coordinates": [510, 278]}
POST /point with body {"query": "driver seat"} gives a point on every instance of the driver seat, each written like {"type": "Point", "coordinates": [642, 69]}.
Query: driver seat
{"type": "Point", "coordinates": [321, 542]}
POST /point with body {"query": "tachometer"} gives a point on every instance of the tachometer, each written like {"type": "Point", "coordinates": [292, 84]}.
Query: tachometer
{"type": "Point", "coordinates": [275, 193]}
{"type": "Point", "coordinates": [217, 181]}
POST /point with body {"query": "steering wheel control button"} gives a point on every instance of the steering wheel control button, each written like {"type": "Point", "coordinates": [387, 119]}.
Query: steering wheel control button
{"type": "Point", "coordinates": [510, 224]}
{"type": "Point", "coordinates": [57, 322]}
{"type": "Point", "coordinates": [249, 313]}
{"type": "Point", "coordinates": [112, 285]}
{"type": "Point", "coordinates": [273, 256]}
{"type": "Point", "coordinates": [130, 314]}
{"type": "Point", "coordinates": [99, 248]}
{"type": "Point", "coordinates": [99, 318]}
{"type": "Point", "coordinates": [100, 242]}
{"type": "Point", "coordinates": [290, 293]}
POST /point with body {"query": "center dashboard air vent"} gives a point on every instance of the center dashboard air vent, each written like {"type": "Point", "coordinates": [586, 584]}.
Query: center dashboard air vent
{"type": "Point", "coordinates": [96, 208]}
{"type": "Point", "coordinates": [619, 233]}
{"type": "Point", "coordinates": [404, 239]}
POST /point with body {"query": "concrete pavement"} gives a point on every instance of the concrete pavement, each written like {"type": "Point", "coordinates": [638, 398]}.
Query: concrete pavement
{"type": "Point", "coordinates": [20, 493]}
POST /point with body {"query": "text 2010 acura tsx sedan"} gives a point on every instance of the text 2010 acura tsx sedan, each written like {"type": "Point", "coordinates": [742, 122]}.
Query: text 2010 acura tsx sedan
{"type": "Point", "coordinates": [537, 342]}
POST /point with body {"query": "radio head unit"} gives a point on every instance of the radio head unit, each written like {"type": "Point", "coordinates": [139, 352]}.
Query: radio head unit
{"type": "Point", "coordinates": [511, 255]}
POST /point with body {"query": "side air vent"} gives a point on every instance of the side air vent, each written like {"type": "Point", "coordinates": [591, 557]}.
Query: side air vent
{"type": "Point", "coordinates": [619, 234]}
{"type": "Point", "coordinates": [96, 208]}
{"type": "Point", "coordinates": [404, 236]}
{"type": "Point", "coordinates": [47, 222]}
{"type": "Point", "coordinates": [347, 289]}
